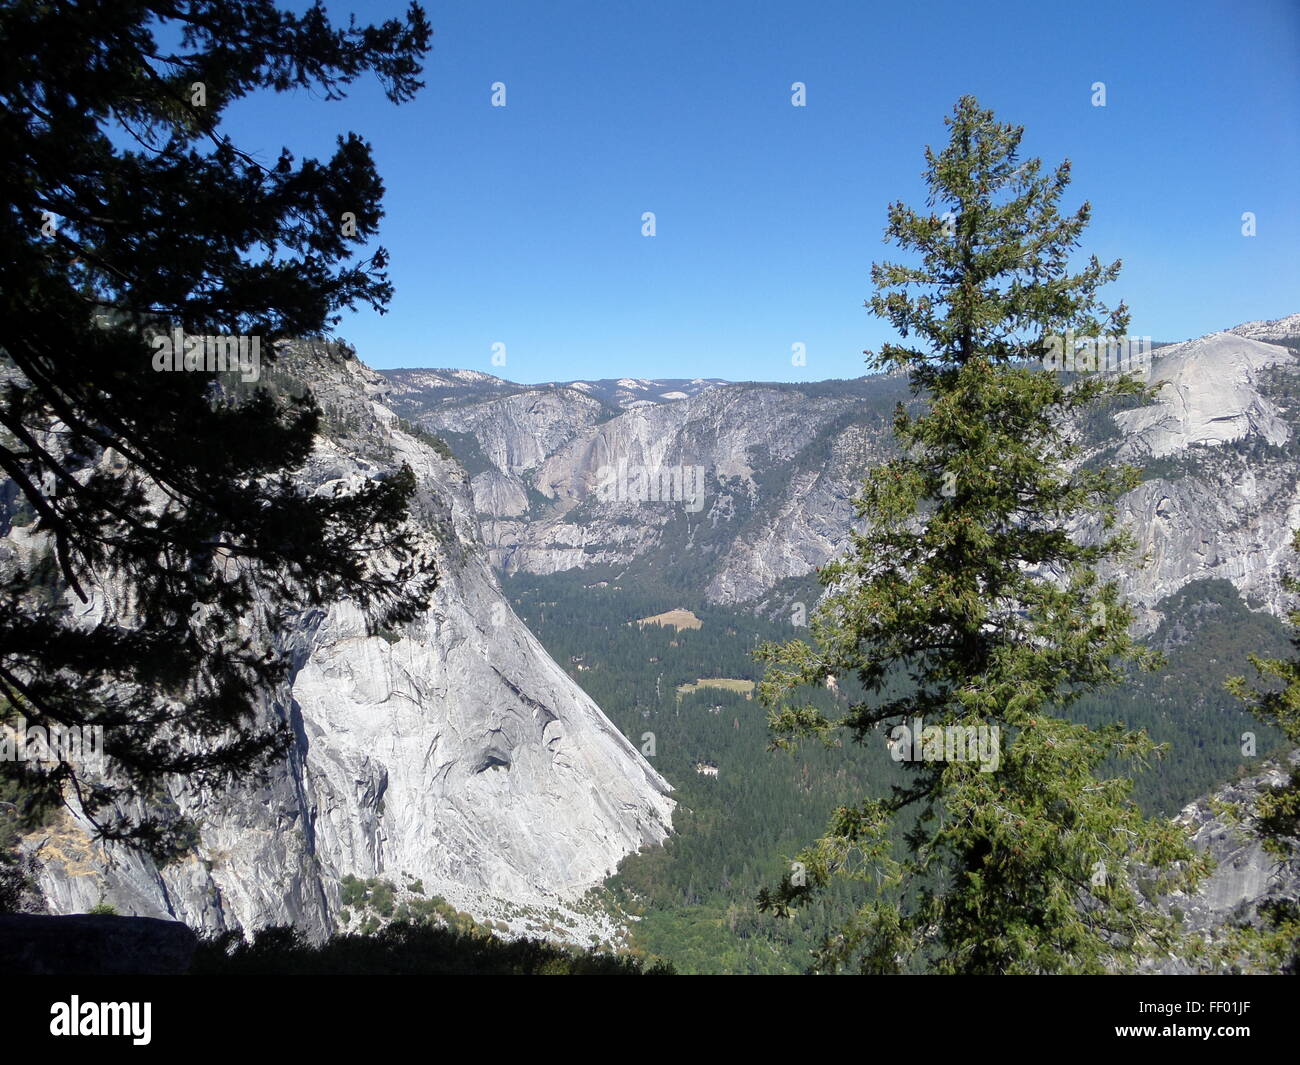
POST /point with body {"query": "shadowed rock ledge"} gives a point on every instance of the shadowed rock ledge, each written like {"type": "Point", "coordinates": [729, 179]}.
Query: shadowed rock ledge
{"type": "Point", "coordinates": [93, 945]}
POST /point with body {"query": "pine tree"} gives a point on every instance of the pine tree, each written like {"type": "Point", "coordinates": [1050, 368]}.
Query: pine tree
{"type": "Point", "coordinates": [967, 583]}
{"type": "Point", "coordinates": [128, 213]}
{"type": "Point", "coordinates": [1276, 817]}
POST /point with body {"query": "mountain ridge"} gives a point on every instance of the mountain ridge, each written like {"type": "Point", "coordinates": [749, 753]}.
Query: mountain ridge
{"type": "Point", "coordinates": [783, 461]}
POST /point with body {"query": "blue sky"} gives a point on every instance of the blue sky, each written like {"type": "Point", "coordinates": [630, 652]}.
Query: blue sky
{"type": "Point", "coordinates": [522, 225]}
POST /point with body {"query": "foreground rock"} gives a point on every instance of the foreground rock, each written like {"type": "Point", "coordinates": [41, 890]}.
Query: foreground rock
{"type": "Point", "coordinates": [93, 945]}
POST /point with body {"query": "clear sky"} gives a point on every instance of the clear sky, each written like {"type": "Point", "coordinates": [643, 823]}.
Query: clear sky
{"type": "Point", "coordinates": [522, 225]}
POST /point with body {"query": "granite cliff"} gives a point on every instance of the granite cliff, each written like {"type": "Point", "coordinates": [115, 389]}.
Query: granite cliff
{"type": "Point", "coordinates": [452, 754]}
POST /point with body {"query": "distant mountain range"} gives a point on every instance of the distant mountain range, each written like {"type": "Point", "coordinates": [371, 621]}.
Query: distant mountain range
{"type": "Point", "coordinates": [1219, 451]}
{"type": "Point", "coordinates": [781, 463]}
{"type": "Point", "coordinates": [449, 387]}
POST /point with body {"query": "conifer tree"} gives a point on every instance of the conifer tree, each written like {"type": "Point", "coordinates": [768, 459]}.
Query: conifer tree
{"type": "Point", "coordinates": [968, 583]}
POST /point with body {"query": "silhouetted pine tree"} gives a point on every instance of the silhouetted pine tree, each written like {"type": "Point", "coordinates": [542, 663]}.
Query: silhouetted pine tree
{"type": "Point", "coordinates": [127, 211]}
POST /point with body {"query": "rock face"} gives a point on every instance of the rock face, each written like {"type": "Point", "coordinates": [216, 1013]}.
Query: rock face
{"type": "Point", "coordinates": [1210, 395]}
{"type": "Point", "coordinates": [1278, 331]}
{"type": "Point", "coordinates": [780, 467]}
{"type": "Point", "coordinates": [1245, 876]}
{"type": "Point", "coordinates": [453, 751]}
{"type": "Point", "coordinates": [93, 945]}
{"type": "Point", "coordinates": [782, 463]}
{"type": "Point", "coordinates": [1221, 496]}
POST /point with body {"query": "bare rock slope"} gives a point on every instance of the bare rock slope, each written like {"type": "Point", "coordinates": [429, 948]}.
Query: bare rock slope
{"type": "Point", "coordinates": [453, 753]}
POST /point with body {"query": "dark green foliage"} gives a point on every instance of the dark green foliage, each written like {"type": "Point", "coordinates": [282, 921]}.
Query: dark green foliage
{"type": "Point", "coordinates": [352, 892]}
{"type": "Point", "coordinates": [465, 449]}
{"type": "Point", "coordinates": [736, 833]}
{"type": "Point", "coordinates": [733, 832]}
{"type": "Point", "coordinates": [404, 950]}
{"type": "Point", "coordinates": [967, 582]}
{"type": "Point", "coordinates": [1207, 634]}
{"type": "Point", "coordinates": [127, 212]}
{"type": "Point", "coordinates": [381, 898]}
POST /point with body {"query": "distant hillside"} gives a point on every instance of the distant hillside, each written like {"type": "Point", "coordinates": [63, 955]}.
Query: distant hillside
{"type": "Point", "coordinates": [781, 463]}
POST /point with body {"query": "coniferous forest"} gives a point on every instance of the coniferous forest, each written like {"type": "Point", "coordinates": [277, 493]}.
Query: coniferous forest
{"type": "Point", "coordinates": [739, 830]}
